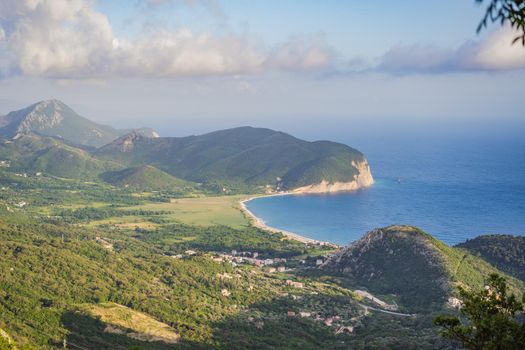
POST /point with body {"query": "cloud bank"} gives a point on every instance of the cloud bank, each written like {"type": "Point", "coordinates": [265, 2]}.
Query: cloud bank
{"type": "Point", "coordinates": [71, 39]}
{"type": "Point", "coordinates": [493, 53]}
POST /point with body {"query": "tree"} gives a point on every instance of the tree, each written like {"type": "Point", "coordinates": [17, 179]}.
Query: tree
{"type": "Point", "coordinates": [489, 319]}
{"type": "Point", "coordinates": [506, 11]}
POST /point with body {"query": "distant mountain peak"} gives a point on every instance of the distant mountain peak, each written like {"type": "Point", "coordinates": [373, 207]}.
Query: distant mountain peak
{"type": "Point", "coordinates": [43, 115]}
{"type": "Point", "coordinates": [54, 102]}
{"type": "Point", "coordinates": [54, 118]}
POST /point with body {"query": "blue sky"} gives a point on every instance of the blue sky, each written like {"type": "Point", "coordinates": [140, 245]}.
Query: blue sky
{"type": "Point", "coordinates": [307, 67]}
{"type": "Point", "coordinates": [354, 27]}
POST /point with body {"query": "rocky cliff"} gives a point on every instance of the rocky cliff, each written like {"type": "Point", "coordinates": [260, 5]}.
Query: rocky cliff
{"type": "Point", "coordinates": [362, 179]}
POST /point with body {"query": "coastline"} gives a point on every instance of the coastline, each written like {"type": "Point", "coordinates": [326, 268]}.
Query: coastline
{"type": "Point", "coordinates": [363, 180]}
{"type": "Point", "coordinates": [259, 223]}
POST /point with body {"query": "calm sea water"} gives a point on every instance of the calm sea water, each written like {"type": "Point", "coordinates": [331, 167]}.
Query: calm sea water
{"type": "Point", "coordinates": [453, 189]}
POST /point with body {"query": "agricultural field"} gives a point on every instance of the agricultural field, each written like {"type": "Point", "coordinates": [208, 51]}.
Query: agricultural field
{"type": "Point", "coordinates": [204, 211]}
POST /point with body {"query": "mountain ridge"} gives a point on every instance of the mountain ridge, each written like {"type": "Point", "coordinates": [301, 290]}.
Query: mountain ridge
{"type": "Point", "coordinates": [57, 140]}
{"type": "Point", "coordinates": [245, 155]}
{"type": "Point", "coordinates": [55, 118]}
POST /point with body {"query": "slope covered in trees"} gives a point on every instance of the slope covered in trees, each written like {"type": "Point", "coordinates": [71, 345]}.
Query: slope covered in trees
{"type": "Point", "coordinates": [410, 263]}
{"type": "Point", "coordinates": [506, 252]}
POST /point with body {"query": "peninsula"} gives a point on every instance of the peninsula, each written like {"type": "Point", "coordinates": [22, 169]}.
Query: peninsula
{"type": "Point", "coordinates": [238, 160]}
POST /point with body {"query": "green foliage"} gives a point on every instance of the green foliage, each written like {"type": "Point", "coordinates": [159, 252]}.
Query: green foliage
{"type": "Point", "coordinates": [6, 343]}
{"type": "Point", "coordinates": [506, 252]}
{"type": "Point", "coordinates": [43, 275]}
{"type": "Point", "coordinates": [52, 138]}
{"type": "Point", "coordinates": [91, 213]}
{"type": "Point", "coordinates": [386, 332]}
{"type": "Point", "coordinates": [53, 267]}
{"type": "Point", "coordinates": [411, 264]}
{"type": "Point", "coordinates": [146, 177]}
{"type": "Point", "coordinates": [277, 333]}
{"type": "Point", "coordinates": [239, 158]}
{"type": "Point", "coordinates": [35, 153]}
{"type": "Point", "coordinates": [506, 11]}
{"type": "Point", "coordinates": [489, 318]}
{"type": "Point", "coordinates": [176, 238]}
{"type": "Point", "coordinates": [397, 260]}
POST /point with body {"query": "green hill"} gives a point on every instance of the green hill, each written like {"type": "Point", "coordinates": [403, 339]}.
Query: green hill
{"type": "Point", "coordinates": [108, 289]}
{"type": "Point", "coordinates": [243, 156]}
{"type": "Point", "coordinates": [421, 271]}
{"type": "Point", "coordinates": [241, 159]}
{"type": "Point", "coordinates": [144, 177]}
{"type": "Point", "coordinates": [506, 252]}
{"type": "Point", "coordinates": [35, 153]}
{"type": "Point", "coordinates": [54, 118]}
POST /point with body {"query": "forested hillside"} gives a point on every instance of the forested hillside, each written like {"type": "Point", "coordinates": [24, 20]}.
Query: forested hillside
{"type": "Point", "coordinates": [506, 252]}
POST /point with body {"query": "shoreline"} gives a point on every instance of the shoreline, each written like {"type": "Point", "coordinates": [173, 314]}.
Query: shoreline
{"type": "Point", "coordinates": [259, 223]}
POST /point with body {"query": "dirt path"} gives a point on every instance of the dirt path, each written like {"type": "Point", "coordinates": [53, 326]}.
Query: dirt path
{"type": "Point", "coordinates": [366, 307]}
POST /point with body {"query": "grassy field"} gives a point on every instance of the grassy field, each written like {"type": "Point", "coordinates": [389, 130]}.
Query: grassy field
{"type": "Point", "coordinates": [205, 211]}
{"type": "Point", "coordinates": [129, 222]}
{"type": "Point", "coordinates": [134, 324]}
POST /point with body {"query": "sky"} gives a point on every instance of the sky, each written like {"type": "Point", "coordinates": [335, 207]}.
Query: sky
{"type": "Point", "coordinates": [317, 69]}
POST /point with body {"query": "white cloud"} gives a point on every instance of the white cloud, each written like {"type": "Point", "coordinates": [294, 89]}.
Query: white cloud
{"type": "Point", "coordinates": [184, 53]}
{"type": "Point", "coordinates": [70, 39]}
{"type": "Point", "coordinates": [56, 38]}
{"type": "Point", "coordinates": [302, 53]}
{"type": "Point", "coordinates": [415, 58]}
{"type": "Point", "coordinates": [493, 53]}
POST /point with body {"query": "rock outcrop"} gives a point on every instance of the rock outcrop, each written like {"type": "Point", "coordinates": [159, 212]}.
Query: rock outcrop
{"type": "Point", "coordinates": [362, 180]}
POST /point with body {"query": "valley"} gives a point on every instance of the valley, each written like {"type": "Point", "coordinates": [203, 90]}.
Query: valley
{"type": "Point", "coordinates": [143, 243]}
{"type": "Point", "coordinates": [197, 267]}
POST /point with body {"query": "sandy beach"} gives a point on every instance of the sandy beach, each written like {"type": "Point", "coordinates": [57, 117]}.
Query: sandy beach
{"type": "Point", "coordinates": [258, 222]}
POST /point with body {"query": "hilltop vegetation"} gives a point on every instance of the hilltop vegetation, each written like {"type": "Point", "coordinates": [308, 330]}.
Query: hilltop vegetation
{"type": "Point", "coordinates": [146, 177]}
{"type": "Point", "coordinates": [506, 252]}
{"type": "Point", "coordinates": [240, 157]}
{"type": "Point", "coordinates": [409, 263]}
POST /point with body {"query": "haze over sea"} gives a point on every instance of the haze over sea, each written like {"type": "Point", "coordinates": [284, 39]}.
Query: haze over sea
{"type": "Point", "coordinates": [453, 188]}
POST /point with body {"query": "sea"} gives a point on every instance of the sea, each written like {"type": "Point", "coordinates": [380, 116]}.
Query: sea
{"type": "Point", "coordinates": [453, 188]}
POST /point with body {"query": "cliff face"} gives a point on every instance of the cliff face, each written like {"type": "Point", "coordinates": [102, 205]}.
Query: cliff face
{"type": "Point", "coordinates": [362, 179]}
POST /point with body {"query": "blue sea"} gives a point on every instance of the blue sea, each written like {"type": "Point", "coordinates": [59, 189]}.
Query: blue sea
{"type": "Point", "coordinates": [454, 189]}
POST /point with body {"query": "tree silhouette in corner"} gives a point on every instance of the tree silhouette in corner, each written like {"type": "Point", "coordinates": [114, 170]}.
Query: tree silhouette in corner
{"type": "Point", "coordinates": [506, 12]}
{"type": "Point", "coordinates": [490, 319]}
